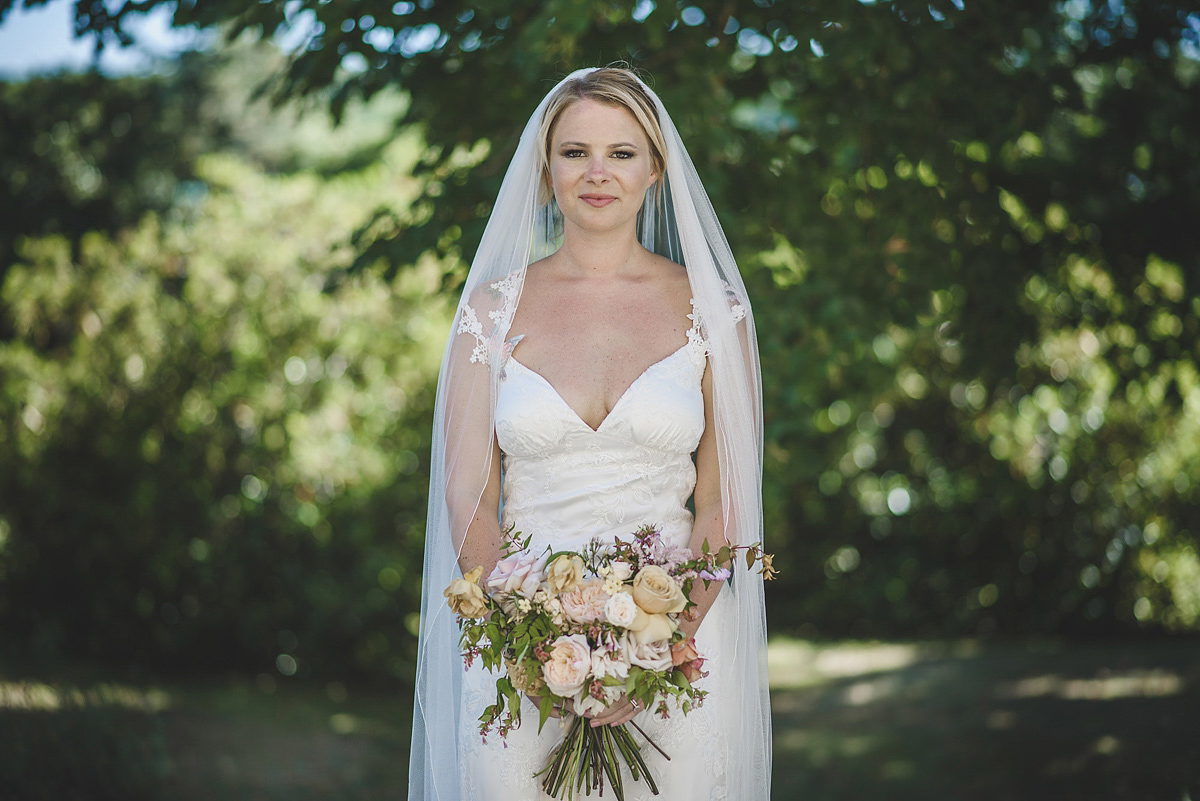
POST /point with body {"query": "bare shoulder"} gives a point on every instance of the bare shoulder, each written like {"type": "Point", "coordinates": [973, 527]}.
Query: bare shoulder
{"type": "Point", "coordinates": [672, 280]}
{"type": "Point", "coordinates": [540, 276]}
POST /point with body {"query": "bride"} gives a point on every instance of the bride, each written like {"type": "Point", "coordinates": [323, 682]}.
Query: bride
{"type": "Point", "coordinates": [602, 374]}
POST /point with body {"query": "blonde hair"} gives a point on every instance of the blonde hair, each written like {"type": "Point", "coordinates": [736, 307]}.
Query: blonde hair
{"type": "Point", "coordinates": [612, 86]}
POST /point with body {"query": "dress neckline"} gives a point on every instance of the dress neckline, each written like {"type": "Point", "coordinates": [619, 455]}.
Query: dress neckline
{"type": "Point", "coordinates": [681, 349]}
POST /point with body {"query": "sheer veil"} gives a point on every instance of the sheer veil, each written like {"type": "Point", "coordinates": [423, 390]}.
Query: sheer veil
{"type": "Point", "coordinates": [679, 223]}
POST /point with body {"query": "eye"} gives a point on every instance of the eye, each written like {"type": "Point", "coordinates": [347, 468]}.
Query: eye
{"type": "Point", "coordinates": [623, 154]}
{"type": "Point", "coordinates": [573, 153]}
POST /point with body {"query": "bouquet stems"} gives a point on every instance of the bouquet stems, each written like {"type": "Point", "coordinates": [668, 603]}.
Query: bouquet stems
{"type": "Point", "coordinates": [588, 755]}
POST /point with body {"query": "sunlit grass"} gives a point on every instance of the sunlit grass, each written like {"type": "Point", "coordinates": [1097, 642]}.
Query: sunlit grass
{"type": "Point", "coordinates": [46, 697]}
{"type": "Point", "coordinates": [1134, 684]}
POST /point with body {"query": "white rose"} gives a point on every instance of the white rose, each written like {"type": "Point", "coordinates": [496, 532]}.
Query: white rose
{"type": "Point", "coordinates": [587, 705]}
{"type": "Point", "coordinates": [622, 570]}
{"type": "Point", "coordinates": [569, 665]}
{"type": "Point", "coordinates": [606, 664]}
{"type": "Point", "coordinates": [621, 610]}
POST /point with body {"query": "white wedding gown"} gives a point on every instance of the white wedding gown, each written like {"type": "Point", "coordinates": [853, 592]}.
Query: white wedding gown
{"type": "Point", "coordinates": [565, 483]}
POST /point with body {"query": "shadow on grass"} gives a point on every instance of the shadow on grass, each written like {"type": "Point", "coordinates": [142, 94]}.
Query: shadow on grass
{"type": "Point", "coordinates": [993, 723]}
{"type": "Point", "coordinates": [73, 744]}
{"type": "Point", "coordinates": [79, 741]}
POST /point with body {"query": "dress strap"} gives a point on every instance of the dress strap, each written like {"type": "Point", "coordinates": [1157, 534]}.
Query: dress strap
{"type": "Point", "coordinates": [698, 347]}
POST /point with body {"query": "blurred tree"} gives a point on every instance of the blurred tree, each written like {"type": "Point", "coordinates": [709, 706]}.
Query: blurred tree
{"type": "Point", "coordinates": [966, 231]}
{"type": "Point", "coordinates": [217, 462]}
{"type": "Point", "coordinates": [84, 152]}
{"type": "Point", "coordinates": [208, 458]}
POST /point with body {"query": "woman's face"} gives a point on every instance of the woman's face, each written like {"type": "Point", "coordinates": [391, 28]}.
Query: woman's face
{"type": "Point", "coordinates": [600, 166]}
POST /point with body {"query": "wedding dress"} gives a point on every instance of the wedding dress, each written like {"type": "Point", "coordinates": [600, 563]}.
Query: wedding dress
{"type": "Point", "coordinates": [565, 483]}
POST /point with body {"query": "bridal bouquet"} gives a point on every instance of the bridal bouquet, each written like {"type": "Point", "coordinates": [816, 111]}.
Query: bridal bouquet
{"type": "Point", "coordinates": [579, 629]}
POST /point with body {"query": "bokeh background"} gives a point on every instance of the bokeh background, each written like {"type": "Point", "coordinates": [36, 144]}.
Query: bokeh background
{"type": "Point", "coordinates": [971, 236]}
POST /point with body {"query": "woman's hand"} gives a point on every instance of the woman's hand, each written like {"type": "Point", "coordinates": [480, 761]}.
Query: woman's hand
{"type": "Point", "coordinates": [620, 711]}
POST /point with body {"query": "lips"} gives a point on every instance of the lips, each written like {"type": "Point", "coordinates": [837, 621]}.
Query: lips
{"type": "Point", "coordinates": [597, 201]}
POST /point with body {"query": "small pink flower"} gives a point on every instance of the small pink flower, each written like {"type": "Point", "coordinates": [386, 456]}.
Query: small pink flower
{"type": "Point", "coordinates": [684, 651]}
{"type": "Point", "coordinates": [688, 660]}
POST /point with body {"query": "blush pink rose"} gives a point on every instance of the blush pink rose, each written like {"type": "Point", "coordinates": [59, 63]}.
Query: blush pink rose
{"type": "Point", "coordinates": [519, 574]}
{"type": "Point", "coordinates": [585, 603]}
{"type": "Point", "coordinates": [570, 662]}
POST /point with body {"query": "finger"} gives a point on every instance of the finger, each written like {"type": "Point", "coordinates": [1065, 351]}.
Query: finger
{"type": "Point", "coordinates": [618, 713]}
{"type": "Point", "coordinates": [624, 716]}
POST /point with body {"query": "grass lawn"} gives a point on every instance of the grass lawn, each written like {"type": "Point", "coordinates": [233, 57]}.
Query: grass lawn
{"type": "Point", "coordinates": [1091, 722]}
{"type": "Point", "coordinates": [856, 721]}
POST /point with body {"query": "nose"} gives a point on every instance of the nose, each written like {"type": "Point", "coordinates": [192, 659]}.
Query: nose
{"type": "Point", "coordinates": [597, 169]}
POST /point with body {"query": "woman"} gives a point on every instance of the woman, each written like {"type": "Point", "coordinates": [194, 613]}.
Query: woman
{"type": "Point", "coordinates": [593, 384]}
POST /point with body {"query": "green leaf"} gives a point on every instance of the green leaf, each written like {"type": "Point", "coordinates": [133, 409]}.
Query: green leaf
{"type": "Point", "coordinates": [545, 708]}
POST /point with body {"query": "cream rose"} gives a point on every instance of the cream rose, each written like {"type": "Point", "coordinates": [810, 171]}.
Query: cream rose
{"type": "Point", "coordinates": [622, 570]}
{"type": "Point", "coordinates": [651, 628]}
{"type": "Point", "coordinates": [519, 574]}
{"type": "Point", "coordinates": [465, 597]}
{"type": "Point", "coordinates": [585, 603]}
{"type": "Point", "coordinates": [656, 592]}
{"type": "Point", "coordinates": [650, 655]}
{"type": "Point", "coordinates": [621, 610]}
{"type": "Point", "coordinates": [568, 666]}
{"type": "Point", "coordinates": [564, 573]}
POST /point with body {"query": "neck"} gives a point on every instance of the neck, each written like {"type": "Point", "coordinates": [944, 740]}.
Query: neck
{"type": "Point", "coordinates": [598, 254]}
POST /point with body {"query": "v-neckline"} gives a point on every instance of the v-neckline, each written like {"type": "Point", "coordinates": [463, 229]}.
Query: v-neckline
{"type": "Point", "coordinates": [620, 398]}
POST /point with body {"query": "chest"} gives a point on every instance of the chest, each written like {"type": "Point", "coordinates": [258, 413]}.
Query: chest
{"type": "Point", "coordinates": [592, 352]}
{"type": "Point", "coordinates": [661, 409]}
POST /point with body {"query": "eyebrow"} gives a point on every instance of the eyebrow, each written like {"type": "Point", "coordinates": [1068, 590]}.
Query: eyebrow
{"type": "Point", "coordinates": [585, 144]}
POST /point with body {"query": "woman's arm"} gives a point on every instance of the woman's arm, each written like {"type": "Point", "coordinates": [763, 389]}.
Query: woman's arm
{"type": "Point", "coordinates": [710, 521]}
{"type": "Point", "coordinates": [478, 515]}
{"type": "Point", "coordinates": [472, 460]}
